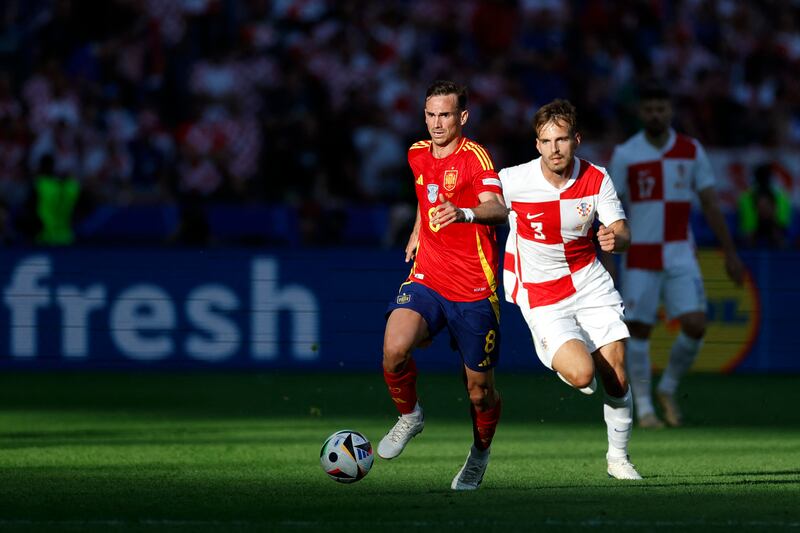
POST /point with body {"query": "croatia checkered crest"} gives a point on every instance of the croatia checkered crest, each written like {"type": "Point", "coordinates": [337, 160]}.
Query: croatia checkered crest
{"type": "Point", "coordinates": [346, 456]}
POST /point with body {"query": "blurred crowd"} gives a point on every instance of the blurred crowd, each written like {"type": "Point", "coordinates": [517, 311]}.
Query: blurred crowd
{"type": "Point", "coordinates": [313, 103]}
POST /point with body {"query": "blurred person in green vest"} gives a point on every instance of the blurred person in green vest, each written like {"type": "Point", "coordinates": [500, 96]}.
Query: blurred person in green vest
{"type": "Point", "coordinates": [56, 198]}
{"type": "Point", "coordinates": [764, 211]}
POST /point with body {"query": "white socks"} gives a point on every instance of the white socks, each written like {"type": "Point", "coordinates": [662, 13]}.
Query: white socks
{"type": "Point", "coordinates": [416, 414]}
{"type": "Point", "coordinates": [683, 353]}
{"type": "Point", "coordinates": [637, 357]}
{"type": "Point", "coordinates": [618, 414]}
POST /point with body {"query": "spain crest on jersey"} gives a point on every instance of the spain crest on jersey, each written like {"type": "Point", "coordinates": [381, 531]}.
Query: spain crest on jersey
{"type": "Point", "coordinates": [450, 179]}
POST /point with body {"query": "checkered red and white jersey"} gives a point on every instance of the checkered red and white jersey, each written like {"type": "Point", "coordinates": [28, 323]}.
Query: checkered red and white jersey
{"type": "Point", "coordinates": [658, 186]}
{"type": "Point", "coordinates": [549, 253]}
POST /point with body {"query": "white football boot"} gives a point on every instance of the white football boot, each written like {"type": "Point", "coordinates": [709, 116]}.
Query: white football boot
{"type": "Point", "coordinates": [586, 390]}
{"type": "Point", "coordinates": [622, 468]}
{"type": "Point", "coordinates": [471, 474]}
{"type": "Point", "coordinates": [406, 428]}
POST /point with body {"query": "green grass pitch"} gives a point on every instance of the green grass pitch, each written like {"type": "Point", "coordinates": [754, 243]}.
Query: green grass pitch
{"type": "Point", "coordinates": [240, 452]}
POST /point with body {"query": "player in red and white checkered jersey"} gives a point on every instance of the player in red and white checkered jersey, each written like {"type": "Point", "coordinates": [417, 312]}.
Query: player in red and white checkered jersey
{"type": "Point", "coordinates": [551, 269]}
{"type": "Point", "coordinates": [658, 172]}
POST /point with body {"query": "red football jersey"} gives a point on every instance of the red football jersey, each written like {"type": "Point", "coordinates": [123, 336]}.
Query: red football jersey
{"type": "Point", "coordinates": [458, 261]}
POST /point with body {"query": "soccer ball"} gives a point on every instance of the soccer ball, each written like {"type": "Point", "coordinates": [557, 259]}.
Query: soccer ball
{"type": "Point", "coordinates": [346, 456]}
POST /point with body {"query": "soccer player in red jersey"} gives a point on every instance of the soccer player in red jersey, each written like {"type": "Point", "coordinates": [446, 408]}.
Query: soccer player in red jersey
{"type": "Point", "coordinates": [453, 280]}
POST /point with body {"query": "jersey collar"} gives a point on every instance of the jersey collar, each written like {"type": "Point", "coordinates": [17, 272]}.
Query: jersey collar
{"type": "Point", "coordinates": [673, 136]}
{"type": "Point", "coordinates": [460, 146]}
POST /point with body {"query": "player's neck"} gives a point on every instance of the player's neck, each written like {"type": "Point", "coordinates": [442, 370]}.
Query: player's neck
{"type": "Point", "coordinates": [557, 179]}
{"type": "Point", "coordinates": [440, 152]}
{"type": "Point", "coordinates": [658, 140]}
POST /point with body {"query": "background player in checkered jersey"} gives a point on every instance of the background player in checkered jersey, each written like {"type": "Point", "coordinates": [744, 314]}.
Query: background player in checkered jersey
{"type": "Point", "coordinates": [657, 172]}
{"type": "Point", "coordinates": [452, 283]}
{"type": "Point", "coordinates": [552, 272]}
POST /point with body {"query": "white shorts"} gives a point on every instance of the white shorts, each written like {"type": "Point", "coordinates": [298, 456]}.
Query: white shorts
{"type": "Point", "coordinates": [582, 316]}
{"type": "Point", "coordinates": [681, 291]}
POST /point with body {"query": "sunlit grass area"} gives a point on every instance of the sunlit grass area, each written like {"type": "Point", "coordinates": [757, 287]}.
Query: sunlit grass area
{"type": "Point", "coordinates": [240, 452]}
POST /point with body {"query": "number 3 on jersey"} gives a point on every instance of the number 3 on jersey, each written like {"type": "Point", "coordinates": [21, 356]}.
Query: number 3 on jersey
{"type": "Point", "coordinates": [537, 230]}
{"type": "Point", "coordinates": [536, 226]}
{"type": "Point", "coordinates": [533, 217]}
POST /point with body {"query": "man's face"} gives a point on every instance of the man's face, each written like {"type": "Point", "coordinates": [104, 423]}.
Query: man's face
{"type": "Point", "coordinates": [656, 115]}
{"type": "Point", "coordinates": [444, 119]}
{"type": "Point", "coordinates": [557, 145]}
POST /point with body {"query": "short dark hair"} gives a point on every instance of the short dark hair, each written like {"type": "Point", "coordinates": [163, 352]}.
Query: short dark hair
{"type": "Point", "coordinates": [653, 90]}
{"type": "Point", "coordinates": [556, 111]}
{"type": "Point", "coordinates": [444, 87]}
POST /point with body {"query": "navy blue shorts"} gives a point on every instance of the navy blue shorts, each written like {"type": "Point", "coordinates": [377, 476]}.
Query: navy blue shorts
{"type": "Point", "coordinates": [473, 326]}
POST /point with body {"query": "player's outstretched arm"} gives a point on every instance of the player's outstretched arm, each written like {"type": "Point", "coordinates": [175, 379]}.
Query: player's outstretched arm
{"type": "Point", "coordinates": [713, 214]}
{"type": "Point", "coordinates": [491, 211]}
{"type": "Point", "coordinates": [615, 238]}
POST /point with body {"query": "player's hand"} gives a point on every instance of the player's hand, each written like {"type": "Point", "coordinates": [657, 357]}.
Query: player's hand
{"type": "Point", "coordinates": [606, 238]}
{"type": "Point", "coordinates": [446, 213]}
{"type": "Point", "coordinates": [735, 268]}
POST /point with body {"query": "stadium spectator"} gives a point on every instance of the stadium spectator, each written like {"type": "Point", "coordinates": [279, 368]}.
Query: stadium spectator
{"type": "Point", "coordinates": [764, 211]}
{"type": "Point", "coordinates": [312, 79]}
{"type": "Point", "coordinates": [377, 145]}
{"type": "Point", "coordinates": [153, 153]}
{"type": "Point", "coordinates": [658, 172]}
{"type": "Point", "coordinates": [453, 281]}
{"type": "Point", "coordinates": [14, 143]}
{"type": "Point", "coordinates": [55, 200]}
{"type": "Point", "coordinates": [552, 272]}
{"type": "Point", "coordinates": [193, 228]}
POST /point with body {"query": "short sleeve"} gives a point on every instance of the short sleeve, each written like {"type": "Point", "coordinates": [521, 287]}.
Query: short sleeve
{"type": "Point", "coordinates": [704, 173]}
{"type": "Point", "coordinates": [484, 176]}
{"type": "Point", "coordinates": [488, 182]}
{"type": "Point", "coordinates": [609, 206]}
{"type": "Point", "coordinates": [618, 173]}
{"type": "Point", "coordinates": [503, 177]}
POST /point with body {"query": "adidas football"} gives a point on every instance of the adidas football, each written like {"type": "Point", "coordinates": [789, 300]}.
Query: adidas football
{"type": "Point", "coordinates": [346, 456]}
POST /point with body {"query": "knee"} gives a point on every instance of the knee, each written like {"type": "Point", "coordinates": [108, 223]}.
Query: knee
{"type": "Point", "coordinates": [482, 396]}
{"type": "Point", "coordinates": [583, 378]}
{"type": "Point", "coordinates": [395, 355]}
{"type": "Point", "coordinates": [694, 327]}
{"type": "Point", "coordinates": [580, 377]}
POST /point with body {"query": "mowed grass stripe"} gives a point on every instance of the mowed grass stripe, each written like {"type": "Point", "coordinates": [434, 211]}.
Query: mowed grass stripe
{"type": "Point", "coordinates": [148, 452]}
